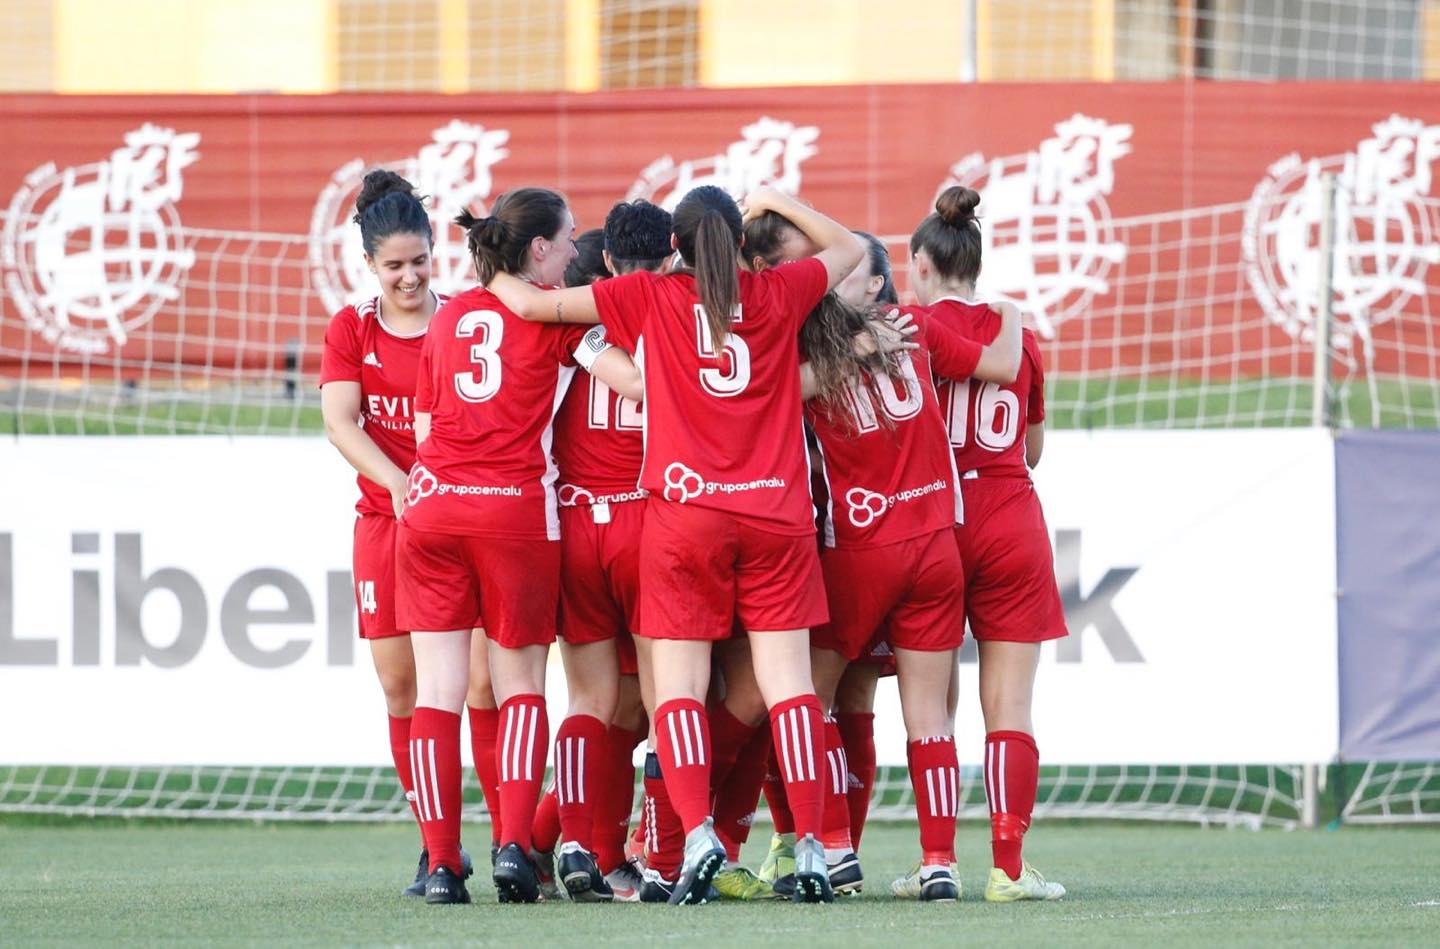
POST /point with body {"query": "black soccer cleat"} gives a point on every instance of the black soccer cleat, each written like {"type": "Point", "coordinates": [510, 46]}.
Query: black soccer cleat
{"type": "Point", "coordinates": [515, 879]}
{"type": "Point", "coordinates": [445, 886]}
{"type": "Point", "coordinates": [581, 876]}
{"type": "Point", "coordinates": [422, 873]}
{"type": "Point", "coordinates": [845, 874]}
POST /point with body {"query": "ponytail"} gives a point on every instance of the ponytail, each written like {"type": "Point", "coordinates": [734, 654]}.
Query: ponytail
{"type": "Point", "coordinates": [716, 279]}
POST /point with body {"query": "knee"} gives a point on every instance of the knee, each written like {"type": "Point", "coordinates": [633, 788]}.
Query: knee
{"type": "Point", "coordinates": [480, 694]}
{"type": "Point", "coordinates": [399, 688]}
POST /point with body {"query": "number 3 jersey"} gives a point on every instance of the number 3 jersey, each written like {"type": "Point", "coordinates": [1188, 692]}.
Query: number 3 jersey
{"type": "Point", "coordinates": [722, 423]}
{"type": "Point", "coordinates": [887, 460]}
{"type": "Point", "coordinates": [986, 420]}
{"type": "Point", "coordinates": [491, 382]}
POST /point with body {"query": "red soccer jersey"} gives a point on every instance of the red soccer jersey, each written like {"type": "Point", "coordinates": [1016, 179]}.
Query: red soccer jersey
{"type": "Point", "coordinates": [722, 428]}
{"type": "Point", "coordinates": [986, 420]}
{"type": "Point", "coordinates": [888, 467]}
{"type": "Point", "coordinates": [491, 382]}
{"type": "Point", "coordinates": [599, 441]}
{"type": "Point", "coordinates": [359, 347]}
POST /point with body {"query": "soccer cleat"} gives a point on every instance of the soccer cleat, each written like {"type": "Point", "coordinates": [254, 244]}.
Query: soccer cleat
{"type": "Point", "coordinates": [738, 883]}
{"type": "Point", "coordinates": [422, 872]}
{"type": "Point", "coordinates": [445, 886]}
{"type": "Point", "coordinates": [544, 864]}
{"type": "Point", "coordinates": [780, 861]}
{"type": "Point", "coordinates": [581, 876]}
{"type": "Point", "coordinates": [812, 879]}
{"type": "Point", "coordinates": [655, 888]}
{"type": "Point", "coordinates": [1030, 886]}
{"type": "Point", "coordinates": [928, 884]}
{"type": "Point", "coordinates": [704, 856]}
{"type": "Point", "coordinates": [515, 877]}
{"type": "Point", "coordinates": [625, 881]}
{"type": "Point", "coordinates": [845, 874]}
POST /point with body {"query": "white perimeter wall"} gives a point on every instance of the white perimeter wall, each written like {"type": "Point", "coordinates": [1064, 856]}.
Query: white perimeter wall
{"type": "Point", "coordinates": [1204, 562]}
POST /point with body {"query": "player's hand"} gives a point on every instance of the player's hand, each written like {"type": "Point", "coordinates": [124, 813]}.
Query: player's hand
{"type": "Point", "coordinates": [895, 333]}
{"type": "Point", "coordinates": [398, 490]}
{"type": "Point", "coordinates": [757, 202]}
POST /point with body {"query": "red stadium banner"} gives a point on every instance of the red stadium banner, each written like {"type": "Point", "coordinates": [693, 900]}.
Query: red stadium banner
{"type": "Point", "coordinates": [211, 231]}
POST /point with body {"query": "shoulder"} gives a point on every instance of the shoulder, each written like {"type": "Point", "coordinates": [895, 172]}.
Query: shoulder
{"type": "Point", "coordinates": [349, 322]}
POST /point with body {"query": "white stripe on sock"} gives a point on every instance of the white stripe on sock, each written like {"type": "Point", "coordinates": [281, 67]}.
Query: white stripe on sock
{"type": "Point", "coordinates": [580, 771]}
{"type": "Point", "coordinates": [699, 737]}
{"type": "Point", "coordinates": [809, 741]}
{"type": "Point", "coordinates": [435, 780]}
{"type": "Point", "coordinates": [930, 788]}
{"type": "Point", "coordinates": [417, 774]}
{"type": "Point", "coordinates": [505, 744]}
{"type": "Point", "coordinates": [674, 740]}
{"type": "Point", "coordinates": [1000, 778]}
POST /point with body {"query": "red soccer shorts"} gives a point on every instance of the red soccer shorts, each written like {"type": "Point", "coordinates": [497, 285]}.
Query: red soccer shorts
{"type": "Point", "coordinates": [600, 577]}
{"type": "Point", "coordinates": [446, 580]}
{"type": "Point", "coordinates": [701, 569]}
{"type": "Point", "coordinates": [908, 594]}
{"type": "Point", "coordinates": [1010, 590]}
{"type": "Point", "coordinates": [373, 567]}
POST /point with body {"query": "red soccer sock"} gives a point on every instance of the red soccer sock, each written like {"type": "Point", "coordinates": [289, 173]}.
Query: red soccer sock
{"type": "Point", "coordinates": [664, 837]}
{"type": "Point", "coordinates": [682, 740]}
{"type": "Point", "coordinates": [400, 752]}
{"type": "Point", "coordinates": [797, 726]}
{"type": "Point", "coordinates": [545, 833]}
{"type": "Point", "coordinates": [935, 776]}
{"type": "Point", "coordinates": [728, 737]}
{"type": "Point", "coordinates": [484, 725]}
{"type": "Point", "coordinates": [435, 763]}
{"type": "Point", "coordinates": [775, 799]}
{"type": "Point", "coordinates": [736, 799]}
{"type": "Point", "coordinates": [857, 731]}
{"type": "Point", "coordinates": [1012, 772]}
{"type": "Point", "coordinates": [614, 797]}
{"type": "Point", "coordinates": [579, 752]}
{"type": "Point", "coordinates": [526, 732]}
{"type": "Point", "coordinates": [835, 826]}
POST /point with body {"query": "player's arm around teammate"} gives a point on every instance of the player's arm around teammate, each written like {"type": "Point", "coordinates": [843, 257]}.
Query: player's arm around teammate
{"type": "Point", "coordinates": [480, 534]}
{"type": "Point", "coordinates": [728, 528]}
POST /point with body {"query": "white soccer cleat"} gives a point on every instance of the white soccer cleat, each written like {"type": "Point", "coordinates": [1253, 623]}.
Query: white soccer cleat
{"type": "Point", "coordinates": [1030, 886]}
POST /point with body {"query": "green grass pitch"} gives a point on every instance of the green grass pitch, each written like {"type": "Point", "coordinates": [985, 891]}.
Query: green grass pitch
{"type": "Point", "coordinates": [129, 884]}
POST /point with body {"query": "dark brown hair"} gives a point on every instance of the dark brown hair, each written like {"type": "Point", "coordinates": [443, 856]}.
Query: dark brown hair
{"type": "Point", "coordinates": [951, 236]}
{"type": "Point", "coordinates": [708, 231]}
{"type": "Point", "coordinates": [499, 243]}
{"type": "Point", "coordinates": [827, 342]}
{"type": "Point", "coordinates": [387, 204]}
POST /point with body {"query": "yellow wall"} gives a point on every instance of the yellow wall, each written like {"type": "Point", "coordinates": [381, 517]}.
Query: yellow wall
{"type": "Point", "coordinates": [761, 42]}
{"type": "Point", "coordinates": [193, 46]}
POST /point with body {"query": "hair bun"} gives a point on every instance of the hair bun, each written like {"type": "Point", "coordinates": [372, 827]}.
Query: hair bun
{"type": "Point", "coordinates": [377, 184]}
{"type": "Point", "coordinates": [956, 205]}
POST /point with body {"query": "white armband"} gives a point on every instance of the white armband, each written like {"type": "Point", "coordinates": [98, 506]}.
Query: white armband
{"type": "Point", "coordinates": [591, 345]}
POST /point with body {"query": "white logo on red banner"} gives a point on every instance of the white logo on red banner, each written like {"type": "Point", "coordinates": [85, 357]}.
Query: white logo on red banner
{"type": "Point", "coordinates": [1385, 236]}
{"type": "Point", "coordinates": [91, 253]}
{"type": "Point", "coordinates": [454, 170]}
{"type": "Point", "coordinates": [1045, 233]}
{"type": "Point", "coordinates": [769, 152]}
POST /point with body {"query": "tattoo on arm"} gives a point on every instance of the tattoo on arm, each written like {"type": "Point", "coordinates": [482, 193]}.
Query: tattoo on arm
{"type": "Point", "coordinates": [559, 311]}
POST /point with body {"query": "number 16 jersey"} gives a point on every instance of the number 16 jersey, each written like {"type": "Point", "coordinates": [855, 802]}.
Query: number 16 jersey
{"type": "Point", "coordinates": [986, 420]}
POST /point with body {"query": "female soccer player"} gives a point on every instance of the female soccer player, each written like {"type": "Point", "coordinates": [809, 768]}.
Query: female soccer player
{"type": "Point", "coordinates": [728, 529]}
{"type": "Point", "coordinates": [479, 532]}
{"type": "Point", "coordinates": [1011, 599]}
{"type": "Point", "coordinates": [892, 570]}
{"type": "Point", "coordinates": [367, 385]}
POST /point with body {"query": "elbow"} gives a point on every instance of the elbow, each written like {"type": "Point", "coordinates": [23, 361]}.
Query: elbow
{"type": "Point", "coordinates": [1010, 373]}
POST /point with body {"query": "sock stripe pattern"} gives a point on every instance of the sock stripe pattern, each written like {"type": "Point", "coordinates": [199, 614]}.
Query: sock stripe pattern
{"type": "Point", "coordinates": [570, 770]}
{"type": "Point", "coordinates": [995, 777]}
{"type": "Point", "coordinates": [943, 785]}
{"type": "Point", "coordinates": [797, 754]}
{"type": "Point", "coordinates": [517, 762]}
{"type": "Point", "coordinates": [839, 770]}
{"type": "Point", "coordinates": [427, 783]}
{"type": "Point", "coordinates": [684, 726]}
